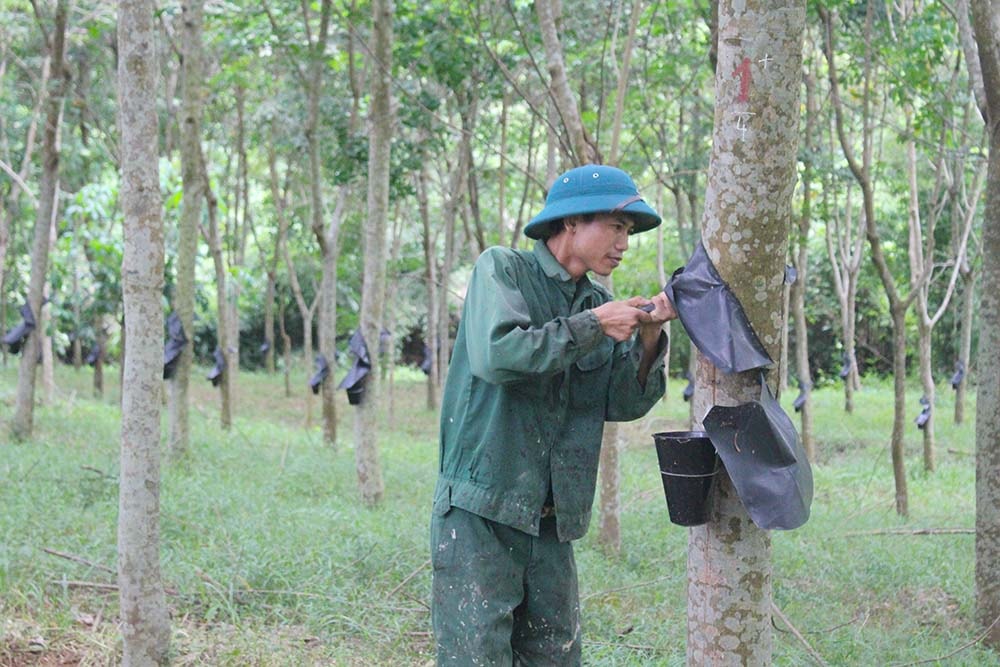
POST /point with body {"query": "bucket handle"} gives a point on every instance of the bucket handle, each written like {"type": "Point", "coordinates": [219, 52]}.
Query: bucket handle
{"type": "Point", "coordinates": [677, 474]}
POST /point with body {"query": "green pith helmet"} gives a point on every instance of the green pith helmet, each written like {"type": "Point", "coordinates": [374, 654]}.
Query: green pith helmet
{"type": "Point", "coordinates": [592, 188]}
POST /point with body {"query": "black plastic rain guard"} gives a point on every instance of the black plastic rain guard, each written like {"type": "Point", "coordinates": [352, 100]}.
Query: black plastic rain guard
{"type": "Point", "coordinates": [688, 464]}
{"type": "Point", "coordinates": [713, 317]}
{"type": "Point", "coordinates": [356, 378]}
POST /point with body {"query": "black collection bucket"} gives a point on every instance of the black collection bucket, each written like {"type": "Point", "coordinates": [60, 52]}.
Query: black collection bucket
{"type": "Point", "coordinates": [688, 463]}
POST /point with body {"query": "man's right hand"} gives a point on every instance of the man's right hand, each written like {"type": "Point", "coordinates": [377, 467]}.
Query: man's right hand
{"type": "Point", "coordinates": [619, 319]}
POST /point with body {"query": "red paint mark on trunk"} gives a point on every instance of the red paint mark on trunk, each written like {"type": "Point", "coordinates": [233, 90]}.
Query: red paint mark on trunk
{"type": "Point", "coordinates": [743, 71]}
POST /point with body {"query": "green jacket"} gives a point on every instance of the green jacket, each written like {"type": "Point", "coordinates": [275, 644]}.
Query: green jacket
{"type": "Point", "coordinates": [531, 382]}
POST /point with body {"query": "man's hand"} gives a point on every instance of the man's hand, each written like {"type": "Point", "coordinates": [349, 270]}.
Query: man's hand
{"type": "Point", "coordinates": [662, 311]}
{"type": "Point", "coordinates": [619, 319]}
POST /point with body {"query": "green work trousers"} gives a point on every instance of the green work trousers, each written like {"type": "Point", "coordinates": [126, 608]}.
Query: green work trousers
{"type": "Point", "coordinates": [502, 596]}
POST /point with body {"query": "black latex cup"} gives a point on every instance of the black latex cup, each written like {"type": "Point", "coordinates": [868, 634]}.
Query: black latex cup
{"type": "Point", "coordinates": [763, 455]}
{"type": "Point", "coordinates": [713, 317]}
{"type": "Point", "coordinates": [688, 464]}
{"type": "Point", "coordinates": [354, 381]}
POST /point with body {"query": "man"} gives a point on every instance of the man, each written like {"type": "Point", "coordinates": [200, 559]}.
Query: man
{"type": "Point", "coordinates": [542, 359]}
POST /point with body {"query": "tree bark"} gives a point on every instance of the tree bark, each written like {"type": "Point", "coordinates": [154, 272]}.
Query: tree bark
{"type": "Point", "coordinates": [279, 198]}
{"type": "Point", "coordinates": [986, 24]}
{"type": "Point", "coordinates": [144, 621]}
{"type": "Point", "coordinates": [179, 405]}
{"type": "Point", "coordinates": [101, 340]}
{"type": "Point", "coordinates": [22, 423]}
{"type": "Point", "coordinates": [751, 178]}
{"type": "Point", "coordinates": [798, 288]}
{"type": "Point", "coordinates": [214, 240]}
{"type": "Point", "coordinates": [306, 311]}
{"type": "Point", "coordinates": [609, 518]}
{"type": "Point", "coordinates": [327, 235]}
{"type": "Point", "coordinates": [965, 341]}
{"type": "Point", "coordinates": [434, 291]}
{"type": "Point", "coordinates": [369, 470]}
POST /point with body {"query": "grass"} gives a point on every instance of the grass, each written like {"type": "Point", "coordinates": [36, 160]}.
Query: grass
{"type": "Point", "coordinates": [273, 560]}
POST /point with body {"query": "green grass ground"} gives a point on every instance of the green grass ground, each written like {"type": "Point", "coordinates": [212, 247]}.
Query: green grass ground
{"type": "Point", "coordinates": [272, 560]}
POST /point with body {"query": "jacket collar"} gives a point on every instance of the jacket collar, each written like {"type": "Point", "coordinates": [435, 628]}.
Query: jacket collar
{"type": "Point", "coordinates": [554, 270]}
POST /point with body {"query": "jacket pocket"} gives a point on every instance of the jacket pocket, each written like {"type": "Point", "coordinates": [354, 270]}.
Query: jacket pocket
{"type": "Point", "coordinates": [443, 536]}
{"type": "Point", "coordinates": [589, 377]}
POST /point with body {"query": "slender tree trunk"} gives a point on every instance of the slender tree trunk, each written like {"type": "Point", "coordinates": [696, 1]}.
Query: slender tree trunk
{"type": "Point", "coordinates": [328, 315]}
{"type": "Point", "coordinates": [144, 622]}
{"type": "Point", "coordinates": [751, 178]}
{"type": "Point", "coordinates": [280, 200]}
{"type": "Point", "coordinates": [610, 528]}
{"type": "Point", "coordinates": [269, 340]}
{"type": "Point", "coordinates": [930, 391]}
{"type": "Point", "coordinates": [222, 328]}
{"type": "Point", "coordinates": [431, 331]}
{"type": "Point", "coordinates": [369, 470]}
{"type": "Point", "coordinates": [965, 344]}
{"type": "Point", "coordinates": [48, 365]}
{"type": "Point", "coordinates": [798, 288]}
{"type": "Point", "coordinates": [101, 340]}
{"type": "Point", "coordinates": [326, 235]}
{"type": "Point", "coordinates": [286, 350]}
{"type": "Point", "coordinates": [452, 204]}
{"type": "Point", "coordinates": [986, 24]}
{"type": "Point", "coordinates": [306, 311]}
{"type": "Point", "coordinates": [179, 405]}
{"type": "Point", "coordinates": [899, 409]}
{"type": "Point", "coordinates": [23, 420]}
{"type": "Point", "coordinates": [77, 349]}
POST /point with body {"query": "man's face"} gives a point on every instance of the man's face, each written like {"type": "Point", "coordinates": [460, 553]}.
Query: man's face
{"type": "Point", "coordinates": [600, 244]}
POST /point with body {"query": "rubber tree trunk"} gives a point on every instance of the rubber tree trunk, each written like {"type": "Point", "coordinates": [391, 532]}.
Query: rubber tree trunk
{"type": "Point", "coordinates": [102, 343]}
{"type": "Point", "coordinates": [986, 24]}
{"type": "Point", "coordinates": [366, 457]}
{"type": "Point", "coordinates": [23, 420]}
{"type": "Point", "coordinates": [222, 310]}
{"type": "Point", "coordinates": [751, 177]}
{"type": "Point", "coordinates": [179, 405]}
{"type": "Point", "coordinates": [965, 338]}
{"type": "Point", "coordinates": [327, 235]}
{"type": "Point", "coordinates": [432, 288]}
{"type": "Point", "coordinates": [145, 625]}
{"type": "Point", "coordinates": [930, 391]}
{"type": "Point", "coordinates": [798, 288]}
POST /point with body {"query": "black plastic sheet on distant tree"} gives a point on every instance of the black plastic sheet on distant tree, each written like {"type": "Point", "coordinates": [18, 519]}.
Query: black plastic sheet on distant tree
{"type": "Point", "coordinates": [800, 400]}
{"type": "Point", "coordinates": [176, 340]}
{"type": "Point", "coordinates": [428, 360]}
{"type": "Point", "coordinates": [925, 413]}
{"type": "Point", "coordinates": [713, 317]}
{"type": "Point", "coordinates": [215, 375]}
{"type": "Point", "coordinates": [959, 375]}
{"type": "Point", "coordinates": [322, 371]}
{"type": "Point", "coordinates": [762, 453]}
{"type": "Point", "coordinates": [354, 381]}
{"type": "Point", "coordinates": [94, 354]}
{"type": "Point", "coordinates": [14, 339]}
